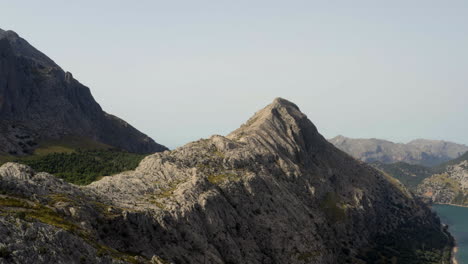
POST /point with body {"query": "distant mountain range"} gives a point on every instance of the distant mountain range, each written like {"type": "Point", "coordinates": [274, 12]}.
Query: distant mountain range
{"type": "Point", "coordinates": [421, 151]}
{"type": "Point", "coordinates": [41, 105]}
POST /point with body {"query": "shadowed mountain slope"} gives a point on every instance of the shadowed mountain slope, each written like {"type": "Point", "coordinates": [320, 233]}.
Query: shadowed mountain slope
{"type": "Point", "coordinates": [40, 102]}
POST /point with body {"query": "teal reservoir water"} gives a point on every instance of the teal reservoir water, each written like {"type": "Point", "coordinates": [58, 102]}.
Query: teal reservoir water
{"type": "Point", "coordinates": [457, 219]}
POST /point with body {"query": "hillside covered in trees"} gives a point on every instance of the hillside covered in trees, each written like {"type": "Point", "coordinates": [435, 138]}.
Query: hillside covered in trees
{"type": "Point", "coordinates": [84, 166]}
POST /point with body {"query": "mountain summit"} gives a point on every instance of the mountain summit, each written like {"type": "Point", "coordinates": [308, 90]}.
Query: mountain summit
{"type": "Point", "coordinates": [272, 191]}
{"type": "Point", "coordinates": [282, 128]}
{"type": "Point", "coordinates": [40, 102]}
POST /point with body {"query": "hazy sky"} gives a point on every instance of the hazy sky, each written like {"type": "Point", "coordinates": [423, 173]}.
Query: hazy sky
{"type": "Point", "coordinates": [184, 70]}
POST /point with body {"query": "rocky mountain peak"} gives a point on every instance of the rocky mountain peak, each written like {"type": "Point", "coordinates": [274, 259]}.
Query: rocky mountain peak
{"type": "Point", "coordinates": [8, 34]}
{"type": "Point", "coordinates": [282, 128]}
{"type": "Point", "coordinates": [40, 102]}
{"type": "Point", "coordinates": [21, 48]}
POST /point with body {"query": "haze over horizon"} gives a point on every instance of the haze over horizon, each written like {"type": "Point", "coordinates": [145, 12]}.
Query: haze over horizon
{"type": "Point", "coordinates": [182, 71]}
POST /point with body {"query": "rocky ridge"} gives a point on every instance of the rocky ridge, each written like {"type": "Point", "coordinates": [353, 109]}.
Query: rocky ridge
{"type": "Point", "coordinates": [272, 191]}
{"type": "Point", "coordinates": [39, 101]}
{"type": "Point", "coordinates": [421, 151]}
{"type": "Point", "coordinates": [448, 187]}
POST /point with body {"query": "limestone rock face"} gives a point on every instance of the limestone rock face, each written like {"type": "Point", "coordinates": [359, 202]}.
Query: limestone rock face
{"type": "Point", "coordinates": [449, 186]}
{"type": "Point", "coordinates": [272, 191]}
{"type": "Point", "coordinates": [39, 101]}
{"type": "Point", "coordinates": [421, 151]}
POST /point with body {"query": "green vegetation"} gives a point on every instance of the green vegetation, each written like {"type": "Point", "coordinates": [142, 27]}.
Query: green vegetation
{"type": "Point", "coordinates": [11, 202]}
{"type": "Point", "coordinates": [220, 178]}
{"type": "Point", "coordinates": [411, 243]}
{"type": "Point", "coordinates": [308, 257]}
{"type": "Point", "coordinates": [417, 178]}
{"type": "Point", "coordinates": [32, 212]}
{"type": "Point", "coordinates": [164, 193]}
{"type": "Point", "coordinates": [409, 175]}
{"type": "Point", "coordinates": [445, 181]}
{"type": "Point", "coordinates": [77, 160]}
{"type": "Point", "coordinates": [4, 252]}
{"type": "Point", "coordinates": [332, 208]}
{"type": "Point", "coordinates": [397, 184]}
{"type": "Point", "coordinates": [84, 166]}
{"type": "Point", "coordinates": [67, 145]}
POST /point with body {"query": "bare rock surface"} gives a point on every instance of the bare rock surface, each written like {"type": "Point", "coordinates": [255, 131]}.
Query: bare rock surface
{"type": "Point", "coordinates": [447, 187]}
{"type": "Point", "coordinates": [272, 191]}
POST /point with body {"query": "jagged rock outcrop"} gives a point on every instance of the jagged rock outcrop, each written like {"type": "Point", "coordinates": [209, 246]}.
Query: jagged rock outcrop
{"type": "Point", "coordinates": [273, 191]}
{"type": "Point", "coordinates": [39, 101]}
{"type": "Point", "coordinates": [447, 187]}
{"type": "Point", "coordinates": [421, 151]}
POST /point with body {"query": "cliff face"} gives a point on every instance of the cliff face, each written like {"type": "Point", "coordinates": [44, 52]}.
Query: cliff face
{"type": "Point", "coordinates": [39, 101]}
{"type": "Point", "coordinates": [273, 191]}
{"type": "Point", "coordinates": [421, 151]}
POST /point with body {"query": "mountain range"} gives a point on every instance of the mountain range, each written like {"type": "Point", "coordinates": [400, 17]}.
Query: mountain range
{"type": "Point", "coordinates": [421, 151]}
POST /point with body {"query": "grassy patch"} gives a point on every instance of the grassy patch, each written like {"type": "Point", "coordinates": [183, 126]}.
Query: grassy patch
{"type": "Point", "coordinates": [445, 181]}
{"type": "Point", "coordinates": [397, 184]}
{"type": "Point", "coordinates": [4, 158]}
{"type": "Point", "coordinates": [68, 144]}
{"type": "Point", "coordinates": [308, 256]}
{"type": "Point", "coordinates": [60, 197]}
{"type": "Point", "coordinates": [36, 212]}
{"type": "Point", "coordinates": [222, 177]}
{"type": "Point", "coordinates": [157, 203]}
{"type": "Point", "coordinates": [409, 175]}
{"type": "Point", "coordinates": [12, 202]}
{"type": "Point", "coordinates": [169, 190]}
{"type": "Point", "coordinates": [4, 252]}
{"type": "Point", "coordinates": [163, 193]}
{"type": "Point", "coordinates": [332, 209]}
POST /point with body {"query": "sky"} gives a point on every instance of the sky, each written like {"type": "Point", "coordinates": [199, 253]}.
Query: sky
{"type": "Point", "coordinates": [184, 70]}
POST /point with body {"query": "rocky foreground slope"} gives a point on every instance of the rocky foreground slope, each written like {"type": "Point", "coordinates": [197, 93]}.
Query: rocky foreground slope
{"type": "Point", "coordinates": [39, 102]}
{"type": "Point", "coordinates": [273, 191]}
{"type": "Point", "coordinates": [421, 151]}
